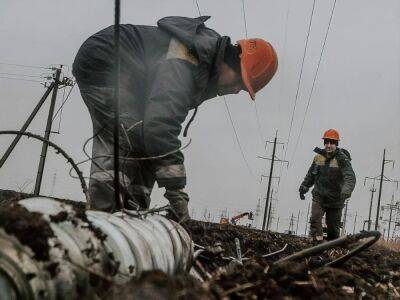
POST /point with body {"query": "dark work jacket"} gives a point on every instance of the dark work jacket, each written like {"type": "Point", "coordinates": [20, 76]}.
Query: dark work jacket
{"type": "Point", "coordinates": [169, 70]}
{"type": "Point", "coordinates": [331, 177]}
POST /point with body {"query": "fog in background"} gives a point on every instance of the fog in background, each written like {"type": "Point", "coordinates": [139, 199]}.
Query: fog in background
{"type": "Point", "coordinates": [356, 92]}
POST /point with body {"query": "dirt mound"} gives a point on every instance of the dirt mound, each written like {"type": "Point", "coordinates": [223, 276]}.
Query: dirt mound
{"type": "Point", "coordinates": [373, 274]}
{"type": "Point", "coordinates": [28, 227]}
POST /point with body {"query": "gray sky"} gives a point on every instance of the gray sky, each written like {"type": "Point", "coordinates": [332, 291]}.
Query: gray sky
{"type": "Point", "coordinates": [357, 92]}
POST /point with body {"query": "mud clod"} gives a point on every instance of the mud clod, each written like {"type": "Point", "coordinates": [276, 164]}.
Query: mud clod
{"type": "Point", "coordinates": [30, 228]}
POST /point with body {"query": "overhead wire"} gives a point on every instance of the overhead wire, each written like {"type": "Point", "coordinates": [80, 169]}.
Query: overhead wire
{"type": "Point", "coordinates": [255, 103]}
{"type": "Point", "coordinates": [299, 81]}
{"type": "Point", "coordinates": [244, 18]}
{"type": "Point", "coordinates": [63, 102]}
{"type": "Point", "coordinates": [315, 77]}
{"type": "Point", "coordinates": [24, 66]}
{"type": "Point", "coordinates": [22, 75]}
{"type": "Point", "coordinates": [198, 8]}
{"type": "Point", "coordinates": [298, 84]}
{"type": "Point", "coordinates": [237, 138]}
{"type": "Point", "coordinates": [282, 78]}
{"type": "Point", "coordinates": [231, 119]}
{"type": "Point", "coordinates": [20, 79]}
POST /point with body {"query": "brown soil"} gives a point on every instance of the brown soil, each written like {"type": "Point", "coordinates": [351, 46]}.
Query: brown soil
{"type": "Point", "coordinates": [28, 227]}
{"type": "Point", "coordinates": [373, 274]}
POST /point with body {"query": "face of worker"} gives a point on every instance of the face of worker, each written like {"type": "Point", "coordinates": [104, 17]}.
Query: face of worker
{"type": "Point", "coordinates": [229, 82]}
{"type": "Point", "coordinates": [330, 146]}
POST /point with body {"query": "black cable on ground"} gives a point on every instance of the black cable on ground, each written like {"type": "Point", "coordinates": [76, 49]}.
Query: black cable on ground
{"type": "Point", "coordinates": [375, 235]}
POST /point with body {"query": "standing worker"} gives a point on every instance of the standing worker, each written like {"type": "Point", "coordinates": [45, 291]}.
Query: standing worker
{"type": "Point", "coordinates": [165, 71]}
{"type": "Point", "coordinates": [334, 180]}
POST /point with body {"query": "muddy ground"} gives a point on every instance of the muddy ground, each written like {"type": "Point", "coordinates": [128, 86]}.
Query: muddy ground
{"type": "Point", "coordinates": [373, 274]}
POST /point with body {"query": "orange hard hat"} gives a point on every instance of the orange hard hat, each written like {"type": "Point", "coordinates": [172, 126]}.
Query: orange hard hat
{"type": "Point", "coordinates": [258, 62]}
{"type": "Point", "coordinates": [331, 134]}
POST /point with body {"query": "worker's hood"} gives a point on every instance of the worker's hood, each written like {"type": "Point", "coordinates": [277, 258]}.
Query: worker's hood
{"type": "Point", "coordinates": [204, 43]}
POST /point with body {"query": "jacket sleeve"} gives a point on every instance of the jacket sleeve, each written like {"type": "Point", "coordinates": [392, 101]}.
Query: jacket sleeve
{"type": "Point", "coordinates": [349, 178]}
{"type": "Point", "coordinates": [310, 177]}
{"type": "Point", "coordinates": [166, 109]}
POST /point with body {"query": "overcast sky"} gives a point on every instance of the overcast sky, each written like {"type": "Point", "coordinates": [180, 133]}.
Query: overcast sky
{"type": "Point", "coordinates": [356, 91]}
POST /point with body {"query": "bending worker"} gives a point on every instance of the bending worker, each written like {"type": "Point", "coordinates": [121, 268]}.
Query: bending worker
{"type": "Point", "coordinates": [333, 178]}
{"type": "Point", "coordinates": [165, 71]}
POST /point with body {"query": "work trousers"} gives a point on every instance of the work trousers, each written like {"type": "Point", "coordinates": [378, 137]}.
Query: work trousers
{"type": "Point", "coordinates": [137, 177]}
{"type": "Point", "coordinates": [332, 219]}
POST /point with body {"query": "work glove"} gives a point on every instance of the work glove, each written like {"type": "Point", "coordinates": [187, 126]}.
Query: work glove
{"type": "Point", "coordinates": [178, 201]}
{"type": "Point", "coordinates": [303, 190]}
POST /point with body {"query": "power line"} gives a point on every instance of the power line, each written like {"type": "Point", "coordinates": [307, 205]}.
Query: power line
{"type": "Point", "coordinates": [227, 108]}
{"type": "Point", "coordinates": [198, 7]}
{"type": "Point", "coordinates": [282, 78]}
{"type": "Point", "coordinates": [237, 138]}
{"type": "Point", "coordinates": [20, 79]}
{"type": "Point", "coordinates": [60, 109]}
{"type": "Point", "coordinates": [244, 18]}
{"type": "Point", "coordinates": [315, 78]}
{"type": "Point", "coordinates": [258, 123]}
{"type": "Point", "coordinates": [255, 103]}
{"type": "Point", "coordinates": [299, 81]}
{"type": "Point", "coordinates": [24, 66]}
{"type": "Point", "coordinates": [22, 75]}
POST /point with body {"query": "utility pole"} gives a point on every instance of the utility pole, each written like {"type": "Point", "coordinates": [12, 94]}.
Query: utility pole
{"type": "Point", "coordinates": [380, 191]}
{"type": "Point", "coordinates": [291, 224]}
{"type": "Point", "coordinates": [308, 212]}
{"type": "Point", "coordinates": [258, 212]}
{"type": "Point", "coordinates": [355, 222]}
{"type": "Point", "coordinates": [271, 169]}
{"type": "Point", "coordinates": [345, 218]}
{"type": "Point", "coordinates": [47, 133]}
{"type": "Point", "coordinates": [372, 190]}
{"type": "Point", "coordinates": [390, 216]}
{"type": "Point", "coordinates": [269, 219]}
{"type": "Point", "coordinates": [277, 224]}
{"type": "Point", "coordinates": [392, 206]}
{"type": "Point", "coordinates": [270, 177]}
{"type": "Point", "coordinates": [298, 219]}
{"type": "Point", "coordinates": [52, 88]}
{"type": "Point", "coordinates": [384, 161]}
{"type": "Point", "coordinates": [382, 178]}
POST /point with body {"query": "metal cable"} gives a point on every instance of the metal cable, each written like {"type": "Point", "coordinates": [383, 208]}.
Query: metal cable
{"type": "Point", "coordinates": [244, 18]}
{"type": "Point", "coordinates": [315, 78]}
{"type": "Point", "coordinates": [255, 103]}
{"type": "Point", "coordinates": [59, 121]}
{"type": "Point", "coordinates": [22, 75]}
{"type": "Point", "coordinates": [299, 81]}
{"type": "Point", "coordinates": [20, 79]}
{"type": "Point", "coordinates": [281, 89]}
{"type": "Point", "coordinates": [24, 66]}
{"type": "Point", "coordinates": [63, 103]}
{"type": "Point", "coordinates": [198, 7]}
{"type": "Point", "coordinates": [237, 138]}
